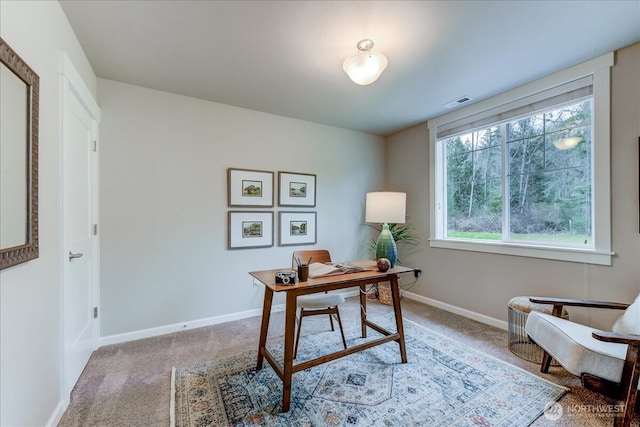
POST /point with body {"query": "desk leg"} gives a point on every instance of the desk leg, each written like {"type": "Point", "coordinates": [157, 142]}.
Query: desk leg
{"type": "Point", "coordinates": [363, 309]}
{"type": "Point", "coordinates": [264, 327]}
{"type": "Point", "coordinates": [289, 330]}
{"type": "Point", "coordinates": [395, 294]}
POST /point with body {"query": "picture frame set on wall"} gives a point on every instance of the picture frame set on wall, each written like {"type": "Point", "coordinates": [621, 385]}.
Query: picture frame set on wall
{"type": "Point", "coordinates": [297, 228]}
{"type": "Point", "coordinates": [296, 189]}
{"type": "Point", "coordinates": [250, 229]}
{"type": "Point", "coordinates": [249, 188]}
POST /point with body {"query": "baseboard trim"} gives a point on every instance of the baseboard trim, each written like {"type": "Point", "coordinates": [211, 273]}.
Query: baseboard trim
{"type": "Point", "coordinates": [491, 321]}
{"type": "Point", "coordinates": [183, 326]}
{"type": "Point", "coordinates": [56, 416]}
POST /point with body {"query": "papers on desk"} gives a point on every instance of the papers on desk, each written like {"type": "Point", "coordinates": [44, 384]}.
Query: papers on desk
{"type": "Point", "coordinates": [317, 269]}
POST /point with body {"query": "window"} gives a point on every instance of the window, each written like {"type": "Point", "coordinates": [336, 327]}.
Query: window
{"type": "Point", "coordinates": [527, 172]}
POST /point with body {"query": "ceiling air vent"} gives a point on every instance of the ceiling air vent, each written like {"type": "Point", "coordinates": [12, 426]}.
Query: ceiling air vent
{"type": "Point", "coordinates": [459, 101]}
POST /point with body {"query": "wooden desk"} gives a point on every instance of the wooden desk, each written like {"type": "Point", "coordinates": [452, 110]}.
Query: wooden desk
{"type": "Point", "coordinates": [322, 284]}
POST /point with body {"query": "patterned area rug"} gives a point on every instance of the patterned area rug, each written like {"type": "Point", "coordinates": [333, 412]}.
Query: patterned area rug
{"type": "Point", "coordinates": [445, 383]}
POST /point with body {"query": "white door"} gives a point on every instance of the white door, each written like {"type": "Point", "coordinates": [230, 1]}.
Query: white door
{"type": "Point", "coordinates": [79, 133]}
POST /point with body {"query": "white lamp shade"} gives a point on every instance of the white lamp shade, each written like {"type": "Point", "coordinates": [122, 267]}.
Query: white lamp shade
{"type": "Point", "coordinates": [365, 67]}
{"type": "Point", "coordinates": [385, 207]}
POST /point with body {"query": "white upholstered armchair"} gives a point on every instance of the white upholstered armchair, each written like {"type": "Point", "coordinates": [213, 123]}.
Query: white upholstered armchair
{"type": "Point", "coordinates": [607, 362]}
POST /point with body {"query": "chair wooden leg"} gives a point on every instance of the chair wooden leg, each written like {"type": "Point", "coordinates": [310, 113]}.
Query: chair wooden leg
{"type": "Point", "coordinates": [546, 358]}
{"type": "Point", "coordinates": [546, 362]}
{"type": "Point", "coordinates": [331, 320]}
{"type": "Point", "coordinates": [295, 348]}
{"type": "Point", "coordinates": [625, 394]}
{"type": "Point", "coordinates": [629, 387]}
{"type": "Point", "coordinates": [344, 342]}
{"type": "Point", "coordinates": [329, 311]}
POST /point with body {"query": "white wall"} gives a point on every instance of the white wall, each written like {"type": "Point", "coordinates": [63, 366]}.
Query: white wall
{"type": "Point", "coordinates": [483, 283]}
{"type": "Point", "coordinates": [30, 293]}
{"type": "Point", "coordinates": [163, 215]}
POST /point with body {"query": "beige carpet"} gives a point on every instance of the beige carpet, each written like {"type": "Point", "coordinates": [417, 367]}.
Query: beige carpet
{"type": "Point", "coordinates": [129, 384]}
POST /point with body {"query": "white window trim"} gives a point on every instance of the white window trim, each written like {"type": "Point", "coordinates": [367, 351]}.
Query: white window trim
{"type": "Point", "coordinates": [600, 69]}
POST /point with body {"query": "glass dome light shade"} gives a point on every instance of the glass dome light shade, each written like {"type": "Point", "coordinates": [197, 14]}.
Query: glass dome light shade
{"type": "Point", "coordinates": [567, 143]}
{"type": "Point", "coordinates": [365, 67]}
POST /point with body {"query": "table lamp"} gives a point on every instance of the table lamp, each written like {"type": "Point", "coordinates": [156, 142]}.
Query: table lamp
{"type": "Point", "coordinates": [384, 207]}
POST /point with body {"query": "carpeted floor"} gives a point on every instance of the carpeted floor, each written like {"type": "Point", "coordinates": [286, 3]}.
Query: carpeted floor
{"type": "Point", "coordinates": [129, 384]}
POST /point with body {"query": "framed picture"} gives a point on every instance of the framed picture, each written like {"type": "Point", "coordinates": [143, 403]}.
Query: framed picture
{"type": "Point", "coordinates": [249, 188]}
{"type": "Point", "coordinates": [297, 189]}
{"type": "Point", "coordinates": [297, 228]}
{"type": "Point", "coordinates": [250, 229]}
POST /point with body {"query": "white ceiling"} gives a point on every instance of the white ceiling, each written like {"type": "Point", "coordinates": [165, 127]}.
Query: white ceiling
{"type": "Point", "coordinates": [285, 57]}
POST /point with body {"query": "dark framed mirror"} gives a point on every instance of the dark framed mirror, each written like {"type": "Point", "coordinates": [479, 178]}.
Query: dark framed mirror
{"type": "Point", "coordinates": [18, 159]}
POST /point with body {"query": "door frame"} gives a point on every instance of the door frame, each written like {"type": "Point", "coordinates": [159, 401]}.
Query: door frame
{"type": "Point", "coordinates": [71, 84]}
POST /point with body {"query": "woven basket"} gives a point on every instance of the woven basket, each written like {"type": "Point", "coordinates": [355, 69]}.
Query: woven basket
{"type": "Point", "coordinates": [384, 293]}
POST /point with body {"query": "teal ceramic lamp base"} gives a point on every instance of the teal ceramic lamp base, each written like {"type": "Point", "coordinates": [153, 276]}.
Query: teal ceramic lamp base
{"type": "Point", "coordinates": [386, 246]}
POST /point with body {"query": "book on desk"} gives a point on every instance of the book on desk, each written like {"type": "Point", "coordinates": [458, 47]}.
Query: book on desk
{"type": "Point", "coordinates": [318, 269]}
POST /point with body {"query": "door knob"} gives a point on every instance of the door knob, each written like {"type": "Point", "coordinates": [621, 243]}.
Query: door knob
{"type": "Point", "coordinates": [72, 255]}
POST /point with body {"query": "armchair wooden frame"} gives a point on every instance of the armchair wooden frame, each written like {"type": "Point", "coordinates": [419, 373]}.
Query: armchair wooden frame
{"type": "Point", "coordinates": [624, 393]}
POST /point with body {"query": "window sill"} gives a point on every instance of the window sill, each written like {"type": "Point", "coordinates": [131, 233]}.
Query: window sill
{"type": "Point", "coordinates": [587, 256]}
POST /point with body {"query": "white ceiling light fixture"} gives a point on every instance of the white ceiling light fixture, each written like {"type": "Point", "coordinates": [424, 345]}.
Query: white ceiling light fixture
{"type": "Point", "coordinates": [365, 66]}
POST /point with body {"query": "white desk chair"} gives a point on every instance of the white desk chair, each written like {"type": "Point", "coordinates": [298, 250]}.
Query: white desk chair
{"type": "Point", "coordinates": [316, 304]}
